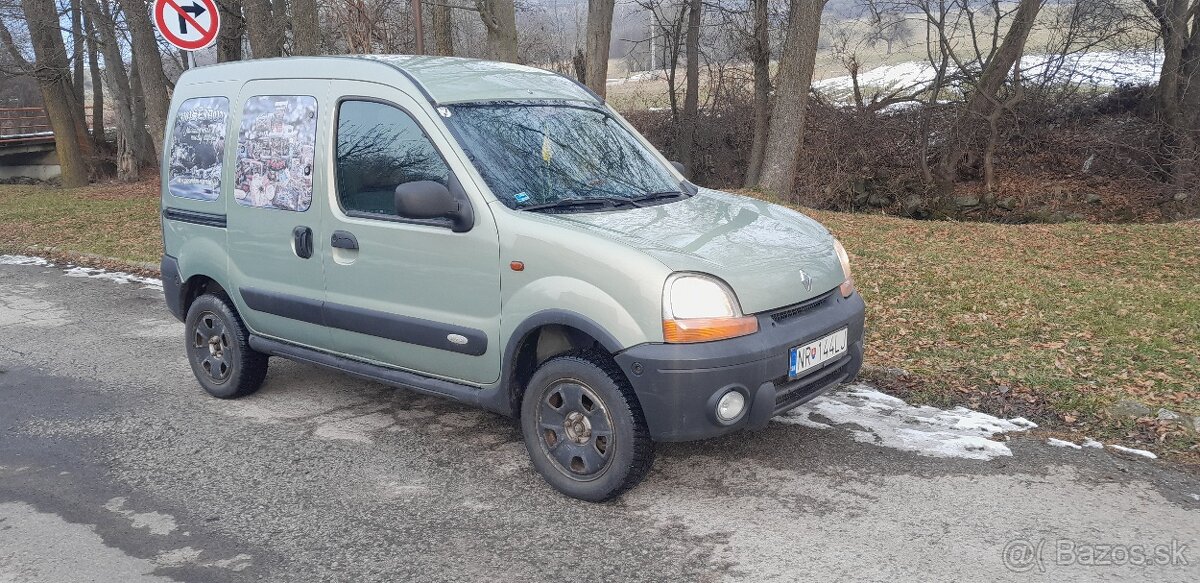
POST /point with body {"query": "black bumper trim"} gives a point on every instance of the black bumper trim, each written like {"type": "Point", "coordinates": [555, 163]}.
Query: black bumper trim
{"type": "Point", "coordinates": [172, 286]}
{"type": "Point", "coordinates": [676, 381]}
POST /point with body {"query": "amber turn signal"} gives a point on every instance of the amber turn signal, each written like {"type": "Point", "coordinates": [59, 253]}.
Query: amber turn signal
{"type": "Point", "coordinates": [708, 329]}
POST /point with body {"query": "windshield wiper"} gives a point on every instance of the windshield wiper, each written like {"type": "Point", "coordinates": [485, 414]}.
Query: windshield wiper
{"type": "Point", "coordinates": [659, 196]}
{"type": "Point", "coordinates": [612, 201]}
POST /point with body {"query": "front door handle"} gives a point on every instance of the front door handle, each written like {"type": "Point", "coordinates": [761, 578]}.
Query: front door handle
{"type": "Point", "coordinates": [303, 238]}
{"type": "Point", "coordinates": [343, 240]}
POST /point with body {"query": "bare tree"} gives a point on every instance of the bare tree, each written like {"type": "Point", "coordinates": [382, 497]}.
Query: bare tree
{"type": "Point", "coordinates": [1178, 93]}
{"type": "Point", "coordinates": [265, 25]}
{"type": "Point", "coordinates": [120, 86]}
{"type": "Point", "coordinates": [500, 21]}
{"type": "Point", "coordinates": [796, 66]}
{"type": "Point", "coordinates": [686, 142]}
{"type": "Point", "coordinates": [53, 73]}
{"type": "Point", "coordinates": [443, 29]}
{"type": "Point", "coordinates": [77, 56]}
{"type": "Point", "coordinates": [152, 80]}
{"type": "Point", "coordinates": [984, 97]}
{"type": "Point", "coordinates": [598, 39]}
{"type": "Point", "coordinates": [233, 29]}
{"type": "Point", "coordinates": [760, 56]}
{"type": "Point", "coordinates": [305, 33]}
{"type": "Point", "coordinates": [89, 28]}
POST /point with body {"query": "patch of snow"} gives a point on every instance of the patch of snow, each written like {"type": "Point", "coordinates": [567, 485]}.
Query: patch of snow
{"type": "Point", "coordinates": [27, 135]}
{"type": "Point", "coordinates": [1132, 451]}
{"type": "Point", "coordinates": [633, 77]}
{"type": "Point", "coordinates": [115, 276]}
{"type": "Point", "coordinates": [1061, 443]}
{"type": "Point", "coordinates": [156, 522]}
{"type": "Point", "coordinates": [88, 272]}
{"type": "Point", "coordinates": [1196, 497]}
{"type": "Point", "coordinates": [881, 419]}
{"type": "Point", "coordinates": [1092, 443]}
{"type": "Point", "coordinates": [23, 260]}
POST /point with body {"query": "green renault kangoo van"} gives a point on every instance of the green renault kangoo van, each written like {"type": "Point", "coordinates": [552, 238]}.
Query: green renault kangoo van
{"type": "Point", "coordinates": [494, 234]}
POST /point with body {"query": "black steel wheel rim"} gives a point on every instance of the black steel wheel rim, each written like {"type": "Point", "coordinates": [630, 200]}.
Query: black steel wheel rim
{"type": "Point", "coordinates": [575, 430]}
{"type": "Point", "coordinates": [210, 347]}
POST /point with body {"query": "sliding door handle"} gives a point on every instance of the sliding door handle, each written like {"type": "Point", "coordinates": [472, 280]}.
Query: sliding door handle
{"type": "Point", "coordinates": [302, 239]}
{"type": "Point", "coordinates": [343, 240]}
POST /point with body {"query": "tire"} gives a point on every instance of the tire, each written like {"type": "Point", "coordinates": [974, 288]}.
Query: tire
{"type": "Point", "coordinates": [218, 348]}
{"type": "Point", "coordinates": [584, 429]}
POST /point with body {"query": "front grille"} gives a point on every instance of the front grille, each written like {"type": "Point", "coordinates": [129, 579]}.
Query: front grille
{"type": "Point", "coordinates": [797, 310]}
{"type": "Point", "coordinates": [790, 394]}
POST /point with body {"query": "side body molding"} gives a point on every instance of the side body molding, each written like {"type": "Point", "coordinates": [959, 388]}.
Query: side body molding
{"type": "Point", "coordinates": [372, 322]}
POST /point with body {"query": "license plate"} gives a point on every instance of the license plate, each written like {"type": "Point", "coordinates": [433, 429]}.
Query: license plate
{"type": "Point", "coordinates": [816, 353]}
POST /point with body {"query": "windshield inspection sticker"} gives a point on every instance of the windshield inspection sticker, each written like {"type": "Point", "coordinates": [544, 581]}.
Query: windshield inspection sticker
{"type": "Point", "coordinates": [521, 197]}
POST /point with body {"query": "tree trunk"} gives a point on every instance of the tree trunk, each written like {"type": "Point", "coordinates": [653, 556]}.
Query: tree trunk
{"type": "Point", "coordinates": [119, 85]}
{"type": "Point", "coordinates": [150, 71]}
{"type": "Point", "coordinates": [143, 145]}
{"type": "Point", "coordinates": [796, 63]}
{"type": "Point", "coordinates": [233, 27]}
{"type": "Point", "coordinates": [599, 37]}
{"type": "Point", "coordinates": [760, 55]}
{"type": "Point", "coordinates": [443, 29]}
{"type": "Point", "coordinates": [685, 145]}
{"type": "Point", "coordinates": [53, 75]}
{"type": "Point", "coordinates": [1178, 92]}
{"type": "Point", "coordinates": [672, 65]}
{"type": "Point", "coordinates": [983, 99]}
{"type": "Point", "coordinates": [306, 36]}
{"type": "Point", "coordinates": [98, 138]}
{"type": "Point", "coordinates": [500, 19]}
{"type": "Point", "coordinates": [77, 82]}
{"type": "Point", "coordinates": [264, 29]}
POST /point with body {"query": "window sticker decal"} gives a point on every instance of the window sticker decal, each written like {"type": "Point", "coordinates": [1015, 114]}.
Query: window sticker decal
{"type": "Point", "coordinates": [275, 152]}
{"type": "Point", "coordinates": [197, 148]}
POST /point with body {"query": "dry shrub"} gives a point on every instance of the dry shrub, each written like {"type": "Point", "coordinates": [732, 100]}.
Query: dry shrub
{"type": "Point", "coordinates": [1085, 158]}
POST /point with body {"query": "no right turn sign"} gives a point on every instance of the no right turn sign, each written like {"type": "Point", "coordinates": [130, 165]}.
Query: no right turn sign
{"type": "Point", "coordinates": [188, 24]}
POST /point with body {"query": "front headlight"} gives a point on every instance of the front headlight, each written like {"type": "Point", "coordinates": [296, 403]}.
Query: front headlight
{"type": "Point", "coordinates": [701, 308]}
{"type": "Point", "coordinates": [847, 286]}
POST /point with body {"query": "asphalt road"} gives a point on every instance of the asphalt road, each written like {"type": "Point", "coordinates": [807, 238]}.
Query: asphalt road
{"type": "Point", "coordinates": [115, 466]}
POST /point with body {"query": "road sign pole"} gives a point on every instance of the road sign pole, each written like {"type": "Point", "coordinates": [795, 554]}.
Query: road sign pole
{"type": "Point", "coordinates": [191, 58]}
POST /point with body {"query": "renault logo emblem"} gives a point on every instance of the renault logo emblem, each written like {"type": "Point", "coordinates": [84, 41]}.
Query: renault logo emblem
{"type": "Point", "coordinates": [806, 280]}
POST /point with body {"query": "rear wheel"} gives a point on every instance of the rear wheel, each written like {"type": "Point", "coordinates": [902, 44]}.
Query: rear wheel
{"type": "Point", "coordinates": [584, 428]}
{"type": "Point", "coordinates": [218, 348]}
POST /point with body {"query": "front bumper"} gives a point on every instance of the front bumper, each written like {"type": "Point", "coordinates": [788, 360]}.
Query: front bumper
{"type": "Point", "coordinates": [678, 384]}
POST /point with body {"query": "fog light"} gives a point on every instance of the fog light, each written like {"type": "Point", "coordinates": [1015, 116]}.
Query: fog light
{"type": "Point", "coordinates": [730, 406]}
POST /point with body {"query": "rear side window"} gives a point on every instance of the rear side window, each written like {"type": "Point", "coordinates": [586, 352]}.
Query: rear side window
{"type": "Point", "coordinates": [275, 152]}
{"type": "Point", "coordinates": [379, 147]}
{"type": "Point", "coordinates": [197, 148]}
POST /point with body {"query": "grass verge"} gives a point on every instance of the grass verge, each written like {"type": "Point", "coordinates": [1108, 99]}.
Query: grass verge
{"type": "Point", "coordinates": [1053, 322]}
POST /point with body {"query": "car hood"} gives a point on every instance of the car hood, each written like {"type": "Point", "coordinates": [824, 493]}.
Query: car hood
{"type": "Point", "coordinates": [765, 252]}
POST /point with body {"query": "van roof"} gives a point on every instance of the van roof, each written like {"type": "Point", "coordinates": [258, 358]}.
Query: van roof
{"type": "Point", "coordinates": [442, 80]}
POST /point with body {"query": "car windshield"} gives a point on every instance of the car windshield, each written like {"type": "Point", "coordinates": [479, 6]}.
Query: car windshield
{"type": "Point", "coordinates": [535, 155]}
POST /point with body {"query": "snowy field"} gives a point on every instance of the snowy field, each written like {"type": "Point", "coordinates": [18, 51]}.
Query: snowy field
{"type": "Point", "coordinates": [1099, 70]}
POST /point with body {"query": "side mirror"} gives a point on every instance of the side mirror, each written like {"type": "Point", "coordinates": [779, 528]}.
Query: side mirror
{"type": "Point", "coordinates": [426, 199]}
{"type": "Point", "coordinates": [681, 168]}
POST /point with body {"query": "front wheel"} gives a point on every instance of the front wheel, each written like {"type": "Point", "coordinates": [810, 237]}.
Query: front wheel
{"type": "Point", "coordinates": [584, 428]}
